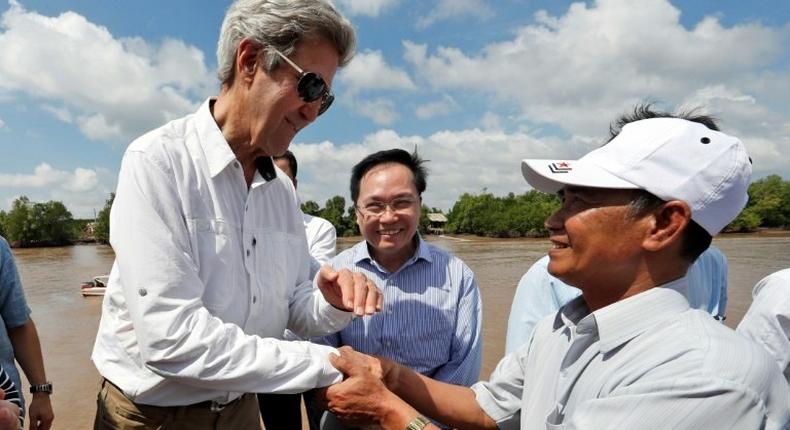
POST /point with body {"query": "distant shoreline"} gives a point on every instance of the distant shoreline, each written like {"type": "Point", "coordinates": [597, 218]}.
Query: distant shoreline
{"type": "Point", "coordinates": [763, 232]}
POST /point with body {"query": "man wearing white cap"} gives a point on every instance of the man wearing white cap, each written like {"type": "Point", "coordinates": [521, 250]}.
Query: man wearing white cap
{"type": "Point", "coordinates": [629, 353]}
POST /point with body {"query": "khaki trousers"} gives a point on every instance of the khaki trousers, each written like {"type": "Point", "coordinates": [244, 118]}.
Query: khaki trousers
{"type": "Point", "coordinates": [114, 411]}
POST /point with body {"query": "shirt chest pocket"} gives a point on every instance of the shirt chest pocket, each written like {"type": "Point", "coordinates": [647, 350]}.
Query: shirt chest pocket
{"type": "Point", "coordinates": [217, 257]}
{"type": "Point", "coordinates": [278, 260]}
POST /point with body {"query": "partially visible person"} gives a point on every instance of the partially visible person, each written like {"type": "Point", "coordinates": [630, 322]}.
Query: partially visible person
{"type": "Point", "coordinates": [539, 294]}
{"type": "Point", "coordinates": [19, 340]}
{"type": "Point", "coordinates": [767, 321]}
{"type": "Point", "coordinates": [10, 403]}
{"type": "Point", "coordinates": [630, 353]}
{"type": "Point", "coordinates": [432, 323]}
{"type": "Point", "coordinates": [321, 234]}
{"type": "Point", "coordinates": [283, 411]}
{"type": "Point", "coordinates": [211, 262]}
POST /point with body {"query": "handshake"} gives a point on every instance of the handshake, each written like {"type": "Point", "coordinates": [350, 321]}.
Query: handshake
{"type": "Point", "coordinates": [366, 397]}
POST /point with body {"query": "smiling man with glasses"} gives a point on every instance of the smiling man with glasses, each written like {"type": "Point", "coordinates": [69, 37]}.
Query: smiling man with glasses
{"type": "Point", "coordinates": [432, 321]}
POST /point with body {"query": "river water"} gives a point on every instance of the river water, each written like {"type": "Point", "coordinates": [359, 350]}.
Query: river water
{"type": "Point", "coordinates": [67, 322]}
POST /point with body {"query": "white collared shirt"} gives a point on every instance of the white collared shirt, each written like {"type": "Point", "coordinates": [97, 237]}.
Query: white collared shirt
{"type": "Point", "coordinates": [321, 240]}
{"type": "Point", "coordinates": [645, 362]}
{"type": "Point", "coordinates": [208, 274]}
{"type": "Point", "coordinates": [767, 321]}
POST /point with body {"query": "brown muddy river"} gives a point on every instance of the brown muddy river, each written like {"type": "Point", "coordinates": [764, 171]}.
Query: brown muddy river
{"type": "Point", "coordinates": [67, 322]}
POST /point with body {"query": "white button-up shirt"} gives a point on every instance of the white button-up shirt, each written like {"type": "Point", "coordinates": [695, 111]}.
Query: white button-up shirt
{"type": "Point", "coordinates": [645, 362]}
{"type": "Point", "coordinates": [768, 320]}
{"type": "Point", "coordinates": [208, 274]}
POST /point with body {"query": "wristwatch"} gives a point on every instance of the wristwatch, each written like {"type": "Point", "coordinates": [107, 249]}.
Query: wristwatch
{"type": "Point", "coordinates": [418, 423]}
{"type": "Point", "coordinates": [42, 388]}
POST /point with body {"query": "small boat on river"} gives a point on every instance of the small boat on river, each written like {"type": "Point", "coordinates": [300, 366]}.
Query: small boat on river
{"type": "Point", "coordinates": [95, 287]}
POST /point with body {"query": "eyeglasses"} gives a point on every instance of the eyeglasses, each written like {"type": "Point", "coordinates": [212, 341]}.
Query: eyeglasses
{"type": "Point", "coordinates": [399, 206]}
{"type": "Point", "coordinates": [311, 86]}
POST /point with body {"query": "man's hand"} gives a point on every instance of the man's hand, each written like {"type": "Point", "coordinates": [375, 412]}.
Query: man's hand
{"type": "Point", "coordinates": [40, 412]}
{"type": "Point", "coordinates": [348, 291]}
{"type": "Point", "coordinates": [362, 398]}
{"type": "Point", "coordinates": [9, 414]}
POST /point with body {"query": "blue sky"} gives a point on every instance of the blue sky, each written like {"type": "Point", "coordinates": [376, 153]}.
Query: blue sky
{"type": "Point", "coordinates": [474, 85]}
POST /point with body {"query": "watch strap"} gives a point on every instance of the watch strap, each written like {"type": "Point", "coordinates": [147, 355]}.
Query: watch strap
{"type": "Point", "coordinates": [418, 423]}
{"type": "Point", "coordinates": [42, 388]}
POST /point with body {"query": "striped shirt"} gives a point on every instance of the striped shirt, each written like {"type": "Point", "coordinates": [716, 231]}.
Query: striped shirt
{"type": "Point", "coordinates": [645, 362]}
{"type": "Point", "coordinates": [12, 394]}
{"type": "Point", "coordinates": [432, 316]}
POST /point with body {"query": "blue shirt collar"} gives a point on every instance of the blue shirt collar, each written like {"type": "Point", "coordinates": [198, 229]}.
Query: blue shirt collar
{"type": "Point", "coordinates": [362, 254]}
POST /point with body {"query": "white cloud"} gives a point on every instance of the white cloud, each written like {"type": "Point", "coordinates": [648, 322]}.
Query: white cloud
{"type": "Point", "coordinates": [2, 123]}
{"type": "Point", "coordinates": [60, 113]}
{"type": "Point", "coordinates": [372, 8]}
{"type": "Point", "coordinates": [115, 88]}
{"type": "Point", "coordinates": [369, 71]}
{"type": "Point", "coordinates": [491, 121]}
{"type": "Point", "coordinates": [82, 190]}
{"type": "Point", "coordinates": [381, 111]}
{"type": "Point", "coordinates": [460, 161]}
{"type": "Point", "coordinates": [444, 106]}
{"type": "Point", "coordinates": [765, 133]}
{"type": "Point", "coordinates": [580, 70]}
{"type": "Point", "coordinates": [44, 175]}
{"type": "Point", "coordinates": [448, 9]}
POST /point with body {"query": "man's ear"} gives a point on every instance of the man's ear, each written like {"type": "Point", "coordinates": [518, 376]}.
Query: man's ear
{"type": "Point", "coordinates": [247, 58]}
{"type": "Point", "coordinates": [668, 222]}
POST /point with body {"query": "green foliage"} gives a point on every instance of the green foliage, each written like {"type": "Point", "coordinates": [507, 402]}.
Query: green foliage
{"type": "Point", "coordinates": [101, 229]}
{"type": "Point", "coordinates": [769, 205]}
{"type": "Point", "coordinates": [509, 216]}
{"type": "Point", "coordinates": [311, 208]}
{"type": "Point", "coordinates": [42, 224]}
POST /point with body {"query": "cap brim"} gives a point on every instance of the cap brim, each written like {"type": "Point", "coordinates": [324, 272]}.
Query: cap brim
{"type": "Point", "coordinates": [549, 176]}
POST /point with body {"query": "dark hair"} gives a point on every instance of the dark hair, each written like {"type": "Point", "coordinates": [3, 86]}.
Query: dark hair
{"type": "Point", "coordinates": [291, 160]}
{"type": "Point", "coordinates": [695, 239]}
{"type": "Point", "coordinates": [398, 156]}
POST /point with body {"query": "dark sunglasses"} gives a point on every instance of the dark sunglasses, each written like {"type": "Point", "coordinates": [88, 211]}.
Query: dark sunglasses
{"type": "Point", "coordinates": [311, 86]}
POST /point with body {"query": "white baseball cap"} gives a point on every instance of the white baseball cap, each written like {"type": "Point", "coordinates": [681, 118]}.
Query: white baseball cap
{"type": "Point", "coordinates": [671, 158]}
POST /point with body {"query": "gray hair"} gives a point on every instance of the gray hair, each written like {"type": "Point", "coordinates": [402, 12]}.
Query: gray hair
{"type": "Point", "coordinates": [281, 24]}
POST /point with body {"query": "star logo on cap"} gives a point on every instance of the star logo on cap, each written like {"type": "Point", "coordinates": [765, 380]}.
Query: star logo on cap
{"type": "Point", "coordinates": [561, 167]}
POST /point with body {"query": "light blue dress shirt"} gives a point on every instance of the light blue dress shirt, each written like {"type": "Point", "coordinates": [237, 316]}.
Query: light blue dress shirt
{"type": "Point", "coordinates": [13, 309]}
{"type": "Point", "coordinates": [432, 316]}
{"type": "Point", "coordinates": [539, 294]}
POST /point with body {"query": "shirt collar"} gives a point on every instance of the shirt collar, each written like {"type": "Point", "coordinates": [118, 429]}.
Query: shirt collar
{"type": "Point", "coordinates": [218, 152]}
{"type": "Point", "coordinates": [361, 253]}
{"type": "Point", "coordinates": [622, 321]}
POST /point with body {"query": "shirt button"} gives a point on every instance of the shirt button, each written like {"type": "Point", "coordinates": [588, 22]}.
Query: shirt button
{"type": "Point", "coordinates": [387, 343]}
{"type": "Point", "coordinates": [142, 292]}
{"type": "Point", "coordinates": [236, 164]}
{"type": "Point", "coordinates": [254, 299]}
{"type": "Point", "coordinates": [248, 253]}
{"type": "Point", "coordinates": [254, 241]}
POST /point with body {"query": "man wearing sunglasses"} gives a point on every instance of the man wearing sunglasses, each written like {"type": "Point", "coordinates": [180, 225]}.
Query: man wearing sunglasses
{"type": "Point", "coordinates": [432, 323]}
{"type": "Point", "coordinates": [211, 257]}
